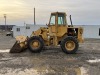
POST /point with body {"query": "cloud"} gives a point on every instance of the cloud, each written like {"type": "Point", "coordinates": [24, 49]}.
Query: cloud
{"type": "Point", "coordinates": [82, 11]}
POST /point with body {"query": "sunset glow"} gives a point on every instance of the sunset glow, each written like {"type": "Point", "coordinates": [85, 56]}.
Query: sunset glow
{"type": "Point", "coordinates": [18, 11]}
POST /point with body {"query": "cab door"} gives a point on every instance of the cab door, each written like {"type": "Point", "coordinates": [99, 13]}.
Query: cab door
{"type": "Point", "coordinates": [53, 25]}
{"type": "Point", "coordinates": [61, 25]}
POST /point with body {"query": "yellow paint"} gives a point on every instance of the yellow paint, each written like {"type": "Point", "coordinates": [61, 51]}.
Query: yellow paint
{"type": "Point", "coordinates": [54, 34]}
{"type": "Point", "coordinates": [57, 32]}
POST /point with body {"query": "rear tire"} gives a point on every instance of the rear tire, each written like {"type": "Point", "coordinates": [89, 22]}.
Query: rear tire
{"type": "Point", "coordinates": [35, 44]}
{"type": "Point", "coordinates": [69, 45]}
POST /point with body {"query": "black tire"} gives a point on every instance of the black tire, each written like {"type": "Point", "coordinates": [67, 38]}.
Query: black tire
{"type": "Point", "coordinates": [75, 48]}
{"type": "Point", "coordinates": [41, 44]}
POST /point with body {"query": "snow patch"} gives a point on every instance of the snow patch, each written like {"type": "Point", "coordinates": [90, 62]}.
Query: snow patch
{"type": "Point", "coordinates": [4, 51]}
{"type": "Point", "coordinates": [94, 61]}
{"type": "Point", "coordinates": [84, 71]}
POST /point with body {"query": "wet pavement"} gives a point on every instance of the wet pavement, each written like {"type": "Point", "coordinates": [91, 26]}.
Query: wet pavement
{"type": "Point", "coordinates": [51, 62]}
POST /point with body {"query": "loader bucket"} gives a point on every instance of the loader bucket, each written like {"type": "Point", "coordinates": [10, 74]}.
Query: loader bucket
{"type": "Point", "coordinates": [16, 48]}
{"type": "Point", "coordinates": [20, 44]}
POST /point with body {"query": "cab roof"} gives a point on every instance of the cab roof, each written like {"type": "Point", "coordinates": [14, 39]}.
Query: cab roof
{"type": "Point", "coordinates": [58, 13]}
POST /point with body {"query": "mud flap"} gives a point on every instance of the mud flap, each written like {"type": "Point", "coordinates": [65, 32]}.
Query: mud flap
{"type": "Point", "coordinates": [16, 48]}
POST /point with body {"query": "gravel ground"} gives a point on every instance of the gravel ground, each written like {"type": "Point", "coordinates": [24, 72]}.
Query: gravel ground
{"type": "Point", "coordinates": [6, 42]}
{"type": "Point", "coordinates": [50, 61]}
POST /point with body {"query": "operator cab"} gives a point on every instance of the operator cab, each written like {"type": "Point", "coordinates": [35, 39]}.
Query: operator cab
{"type": "Point", "coordinates": [58, 24]}
{"type": "Point", "coordinates": [58, 18]}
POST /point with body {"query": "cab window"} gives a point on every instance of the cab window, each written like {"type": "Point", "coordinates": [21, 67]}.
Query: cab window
{"type": "Point", "coordinates": [61, 20]}
{"type": "Point", "coordinates": [52, 20]}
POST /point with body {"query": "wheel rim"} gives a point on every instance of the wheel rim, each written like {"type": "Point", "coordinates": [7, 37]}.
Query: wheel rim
{"type": "Point", "coordinates": [69, 45]}
{"type": "Point", "coordinates": [35, 44]}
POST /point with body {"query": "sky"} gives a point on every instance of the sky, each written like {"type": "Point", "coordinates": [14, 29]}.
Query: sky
{"type": "Point", "coordinates": [84, 12]}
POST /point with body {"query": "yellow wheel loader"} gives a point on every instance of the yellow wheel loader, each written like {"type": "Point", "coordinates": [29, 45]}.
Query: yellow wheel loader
{"type": "Point", "coordinates": [57, 33]}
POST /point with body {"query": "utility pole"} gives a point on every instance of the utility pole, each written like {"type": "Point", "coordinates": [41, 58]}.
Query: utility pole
{"type": "Point", "coordinates": [34, 17]}
{"type": "Point", "coordinates": [24, 23]}
{"type": "Point", "coordinates": [5, 21]}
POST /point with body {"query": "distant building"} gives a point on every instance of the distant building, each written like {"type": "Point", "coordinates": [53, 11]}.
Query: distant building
{"type": "Point", "coordinates": [6, 27]}
{"type": "Point", "coordinates": [90, 31]}
{"type": "Point", "coordinates": [25, 30]}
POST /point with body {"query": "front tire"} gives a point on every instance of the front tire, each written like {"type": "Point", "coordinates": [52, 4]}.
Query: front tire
{"type": "Point", "coordinates": [35, 44]}
{"type": "Point", "coordinates": [69, 45]}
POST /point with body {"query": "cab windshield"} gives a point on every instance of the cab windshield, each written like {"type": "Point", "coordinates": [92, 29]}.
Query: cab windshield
{"type": "Point", "coordinates": [52, 20]}
{"type": "Point", "coordinates": [61, 19]}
